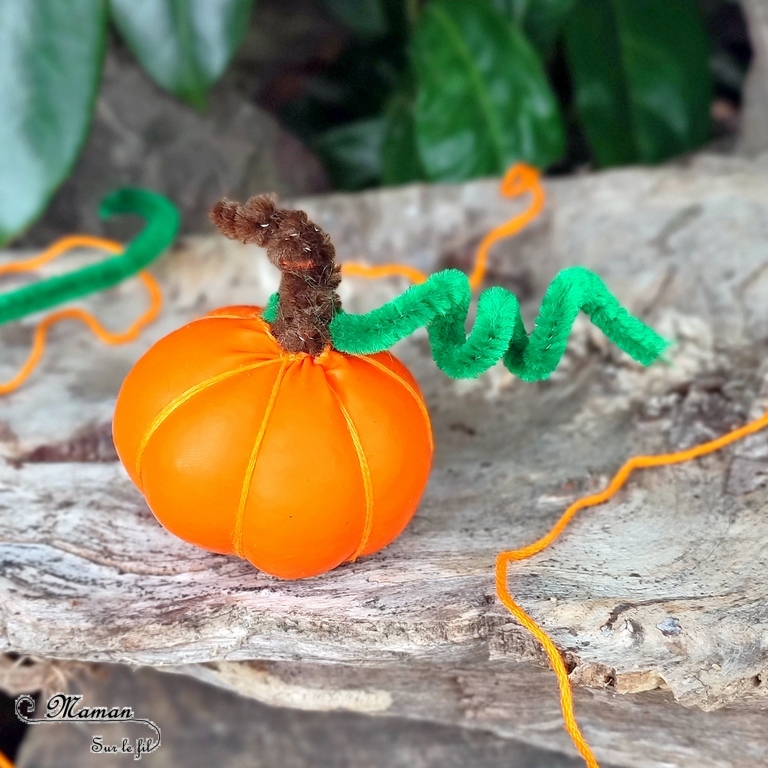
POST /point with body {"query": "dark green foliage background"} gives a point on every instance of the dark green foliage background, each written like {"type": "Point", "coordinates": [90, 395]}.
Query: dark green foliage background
{"type": "Point", "coordinates": [51, 54]}
{"type": "Point", "coordinates": [478, 94]}
{"type": "Point", "coordinates": [435, 90]}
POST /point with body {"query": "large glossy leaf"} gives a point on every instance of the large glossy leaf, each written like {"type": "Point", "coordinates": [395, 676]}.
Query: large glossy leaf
{"type": "Point", "coordinates": [541, 20]}
{"type": "Point", "coordinates": [352, 153]}
{"type": "Point", "coordinates": [50, 64]}
{"type": "Point", "coordinates": [642, 81]}
{"type": "Point", "coordinates": [184, 45]}
{"type": "Point", "coordinates": [483, 101]}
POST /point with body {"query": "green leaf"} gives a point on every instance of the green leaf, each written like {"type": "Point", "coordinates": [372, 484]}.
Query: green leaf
{"type": "Point", "coordinates": [400, 158]}
{"type": "Point", "coordinates": [352, 153]}
{"type": "Point", "coordinates": [184, 45]}
{"type": "Point", "coordinates": [483, 101]}
{"type": "Point", "coordinates": [541, 20]}
{"type": "Point", "coordinates": [642, 81]}
{"type": "Point", "coordinates": [50, 64]}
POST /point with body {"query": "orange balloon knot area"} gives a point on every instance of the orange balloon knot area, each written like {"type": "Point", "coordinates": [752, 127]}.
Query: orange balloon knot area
{"type": "Point", "coordinates": [296, 462]}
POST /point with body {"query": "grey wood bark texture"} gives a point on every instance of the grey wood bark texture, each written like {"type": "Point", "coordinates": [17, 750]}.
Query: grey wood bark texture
{"type": "Point", "coordinates": [663, 588]}
{"type": "Point", "coordinates": [202, 727]}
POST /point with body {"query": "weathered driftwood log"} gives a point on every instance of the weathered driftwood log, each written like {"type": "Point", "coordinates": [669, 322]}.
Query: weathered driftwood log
{"type": "Point", "coordinates": [663, 588]}
{"type": "Point", "coordinates": [201, 726]}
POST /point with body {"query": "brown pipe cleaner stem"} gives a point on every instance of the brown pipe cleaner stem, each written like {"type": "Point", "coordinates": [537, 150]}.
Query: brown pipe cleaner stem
{"type": "Point", "coordinates": [305, 257]}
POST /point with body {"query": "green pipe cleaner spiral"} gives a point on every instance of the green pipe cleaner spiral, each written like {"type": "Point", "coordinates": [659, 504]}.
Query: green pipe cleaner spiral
{"type": "Point", "coordinates": [160, 231]}
{"type": "Point", "coordinates": [441, 304]}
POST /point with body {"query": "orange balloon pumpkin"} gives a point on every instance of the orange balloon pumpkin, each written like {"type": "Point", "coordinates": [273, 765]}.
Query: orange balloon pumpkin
{"type": "Point", "coordinates": [295, 461]}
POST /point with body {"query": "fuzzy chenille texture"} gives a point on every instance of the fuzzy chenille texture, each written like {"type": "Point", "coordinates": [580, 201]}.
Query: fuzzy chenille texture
{"type": "Point", "coordinates": [441, 304]}
{"type": "Point", "coordinates": [162, 226]}
{"type": "Point", "coordinates": [305, 257]}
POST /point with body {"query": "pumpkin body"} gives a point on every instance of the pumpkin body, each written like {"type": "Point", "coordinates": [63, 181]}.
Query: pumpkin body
{"type": "Point", "coordinates": [296, 463]}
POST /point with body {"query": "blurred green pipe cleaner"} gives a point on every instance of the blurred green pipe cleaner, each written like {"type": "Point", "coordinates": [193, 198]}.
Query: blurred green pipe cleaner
{"type": "Point", "coordinates": [162, 226]}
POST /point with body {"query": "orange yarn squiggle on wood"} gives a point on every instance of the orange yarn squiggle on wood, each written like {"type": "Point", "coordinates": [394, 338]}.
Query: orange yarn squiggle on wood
{"type": "Point", "coordinates": [519, 180]}
{"type": "Point", "coordinates": [75, 313]}
{"type": "Point", "coordinates": [503, 559]}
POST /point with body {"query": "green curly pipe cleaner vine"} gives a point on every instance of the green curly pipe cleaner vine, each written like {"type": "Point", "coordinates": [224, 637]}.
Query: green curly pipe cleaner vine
{"type": "Point", "coordinates": [160, 231]}
{"type": "Point", "coordinates": [441, 304]}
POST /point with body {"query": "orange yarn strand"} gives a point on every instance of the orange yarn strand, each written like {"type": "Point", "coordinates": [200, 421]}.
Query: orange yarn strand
{"type": "Point", "coordinates": [519, 179]}
{"type": "Point", "coordinates": [57, 249]}
{"type": "Point", "coordinates": [620, 478]}
{"type": "Point", "coordinates": [76, 313]}
{"type": "Point", "coordinates": [357, 269]}
{"type": "Point", "coordinates": [5, 762]}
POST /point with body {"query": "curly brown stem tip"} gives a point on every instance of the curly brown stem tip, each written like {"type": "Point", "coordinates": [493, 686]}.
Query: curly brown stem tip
{"type": "Point", "coordinates": [304, 255]}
